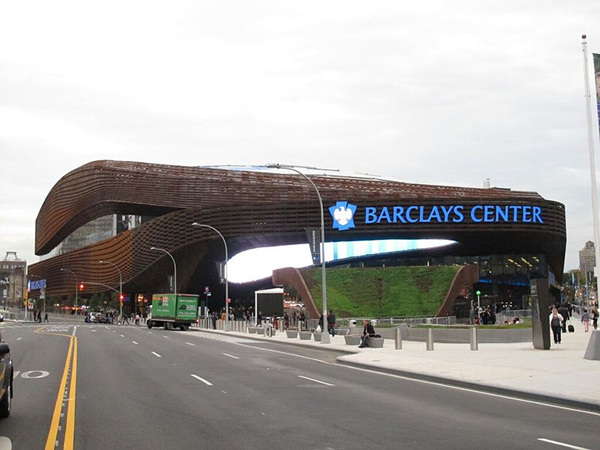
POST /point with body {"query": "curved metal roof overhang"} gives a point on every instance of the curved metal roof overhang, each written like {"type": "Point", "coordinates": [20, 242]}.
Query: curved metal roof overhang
{"type": "Point", "coordinates": [254, 209]}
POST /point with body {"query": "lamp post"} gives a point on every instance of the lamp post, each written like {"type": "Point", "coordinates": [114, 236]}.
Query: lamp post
{"type": "Point", "coordinates": [196, 224]}
{"type": "Point", "coordinates": [120, 286]}
{"type": "Point", "coordinates": [592, 163]}
{"type": "Point", "coordinates": [324, 334]}
{"type": "Point", "coordinates": [174, 267]}
{"type": "Point", "coordinates": [75, 275]}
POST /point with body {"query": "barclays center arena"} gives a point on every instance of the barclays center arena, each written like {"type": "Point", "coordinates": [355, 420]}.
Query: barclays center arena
{"type": "Point", "coordinates": [137, 219]}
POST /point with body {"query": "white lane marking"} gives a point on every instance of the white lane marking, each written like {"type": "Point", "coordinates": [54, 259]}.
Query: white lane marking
{"type": "Point", "coordinates": [166, 337]}
{"type": "Point", "coordinates": [189, 343]}
{"type": "Point", "coordinates": [122, 336]}
{"type": "Point", "coordinates": [231, 356]}
{"type": "Point", "coordinates": [5, 443]}
{"type": "Point", "coordinates": [286, 353]}
{"type": "Point", "coordinates": [19, 339]}
{"type": "Point", "coordinates": [562, 444]}
{"type": "Point", "coordinates": [16, 373]}
{"type": "Point", "coordinates": [434, 383]}
{"type": "Point", "coordinates": [156, 354]}
{"type": "Point", "coordinates": [32, 374]}
{"type": "Point", "coordinates": [208, 383]}
{"type": "Point", "coordinates": [316, 381]}
{"type": "Point", "coordinates": [475, 391]}
{"type": "Point", "coordinates": [135, 342]}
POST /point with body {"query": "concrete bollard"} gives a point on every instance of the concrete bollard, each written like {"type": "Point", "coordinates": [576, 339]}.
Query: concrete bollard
{"type": "Point", "coordinates": [474, 342]}
{"type": "Point", "coordinates": [398, 339]}
{"type": "Point", "coordinates": [430, 339]}
{"type": "Point", "coordinates": [593, 348]}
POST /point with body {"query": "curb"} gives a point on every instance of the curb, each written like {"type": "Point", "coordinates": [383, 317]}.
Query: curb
{"type": "Point", "coordinates": [296, 343]}
{"type": "Point", "coordinates": [587, 406]}
{"type": "Point", "coordinates": [592, 407]}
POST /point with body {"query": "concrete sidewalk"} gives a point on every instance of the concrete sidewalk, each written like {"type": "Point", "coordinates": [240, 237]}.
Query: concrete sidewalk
{"type": "Point", "coordinates": [560, 374]}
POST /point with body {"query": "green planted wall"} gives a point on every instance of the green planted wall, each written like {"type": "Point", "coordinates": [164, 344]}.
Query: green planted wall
{"type": "Point", "coordinates": [382, 291]}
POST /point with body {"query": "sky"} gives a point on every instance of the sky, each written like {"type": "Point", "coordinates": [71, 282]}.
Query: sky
{"type": "Point", "coordinates": [438, 92]}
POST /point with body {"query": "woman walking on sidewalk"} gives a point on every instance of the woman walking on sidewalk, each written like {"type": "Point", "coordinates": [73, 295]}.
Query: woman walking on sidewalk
{"type": "Point", "coordinates": [556, 321]}
{"type": "Point", "coordinates": [585, 319]}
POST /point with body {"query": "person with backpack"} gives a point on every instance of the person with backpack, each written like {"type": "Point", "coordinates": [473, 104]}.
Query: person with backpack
{"type": "Point", "coordinates": [331, 323]}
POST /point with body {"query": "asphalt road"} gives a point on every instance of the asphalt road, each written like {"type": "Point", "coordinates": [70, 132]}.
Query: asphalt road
{"type": "Point", "coordinates": [112, 387]}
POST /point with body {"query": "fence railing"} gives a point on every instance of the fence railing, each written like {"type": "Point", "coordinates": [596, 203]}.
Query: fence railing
{"type": "Point", "coordinates": [312, 324]}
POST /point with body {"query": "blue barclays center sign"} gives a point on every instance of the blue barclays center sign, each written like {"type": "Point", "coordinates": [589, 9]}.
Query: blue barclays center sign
{"type": "Point", "coordinates": [37, 284]}
{"type": "Point", "coordinates": [343, 214]}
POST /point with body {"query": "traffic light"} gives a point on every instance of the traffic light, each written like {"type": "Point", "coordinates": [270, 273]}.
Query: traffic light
{"type": "Point", "coordinates": [81, 286]}
{"type": "Point", "coordinates": [121, 297]}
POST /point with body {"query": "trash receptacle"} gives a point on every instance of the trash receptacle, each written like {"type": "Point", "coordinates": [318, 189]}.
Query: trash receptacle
{"type": "Point", "coordinates": [352, 323]}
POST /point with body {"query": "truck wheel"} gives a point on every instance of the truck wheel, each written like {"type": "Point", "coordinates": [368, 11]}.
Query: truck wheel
{"type": "Point", "coordinates": [149, 323]}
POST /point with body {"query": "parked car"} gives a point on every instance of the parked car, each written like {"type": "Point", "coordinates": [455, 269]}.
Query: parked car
{"type": "Point", "coordinates": [6, 379]}
{"type": "Point", "coordinates": [101, 318]}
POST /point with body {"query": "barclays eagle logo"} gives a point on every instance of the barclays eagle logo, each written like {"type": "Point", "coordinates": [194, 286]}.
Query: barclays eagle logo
{"type": "Point", "coordinates": [343, 215]}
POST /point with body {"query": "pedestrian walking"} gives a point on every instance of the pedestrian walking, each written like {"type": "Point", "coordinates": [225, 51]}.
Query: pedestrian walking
{"type": "Point", "coordinates": [46, 317]}
{"type": "Point", "coordinates": [595, 317]}
{"type": "Point", "coordinates": [563, 310]}
{"type": "Point", "coordinates": [585, 319]}
{"type": "Point", "coordinates": [556, 323]}
{"type": "Point", "coordinates": [331, 323]}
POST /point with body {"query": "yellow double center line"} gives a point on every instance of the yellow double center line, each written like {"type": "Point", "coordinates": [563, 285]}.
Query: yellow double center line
{"type": "Point", "coordinates": [66, 397]}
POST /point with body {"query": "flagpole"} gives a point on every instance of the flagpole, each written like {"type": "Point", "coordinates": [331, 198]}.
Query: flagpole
{"type": "Point", "coordinates": [590, 134]}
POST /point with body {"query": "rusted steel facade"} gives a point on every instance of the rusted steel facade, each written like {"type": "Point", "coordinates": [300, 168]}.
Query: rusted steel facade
{"type": "Point", "coordinates": [252, 208]}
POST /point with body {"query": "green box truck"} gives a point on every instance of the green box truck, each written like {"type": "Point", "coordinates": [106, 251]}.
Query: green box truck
{"type": "Point", "coordinates": [173, 311]}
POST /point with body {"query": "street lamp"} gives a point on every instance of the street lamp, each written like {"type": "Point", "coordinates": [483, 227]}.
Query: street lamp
{"type": "Point", "coordinates": [592, 162]}
{"type": "Point", "coordinates": [324, 334]}
{"type": "Point", "coordinates": [75, 275]}
{"type": "Point", "coordinates": [196, 224]}
{"type": "Point", "coordinates": [174, 266]}
{"type": "Point", "coordinates": [120, 286]}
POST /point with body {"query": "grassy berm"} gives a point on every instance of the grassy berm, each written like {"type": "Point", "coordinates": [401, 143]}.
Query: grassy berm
{"type": "Point", "coordinates": [382, 291]}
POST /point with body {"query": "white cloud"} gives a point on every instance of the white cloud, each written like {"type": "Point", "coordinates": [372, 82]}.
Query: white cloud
{"type": "Point", "coordinates": [436, 92]}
